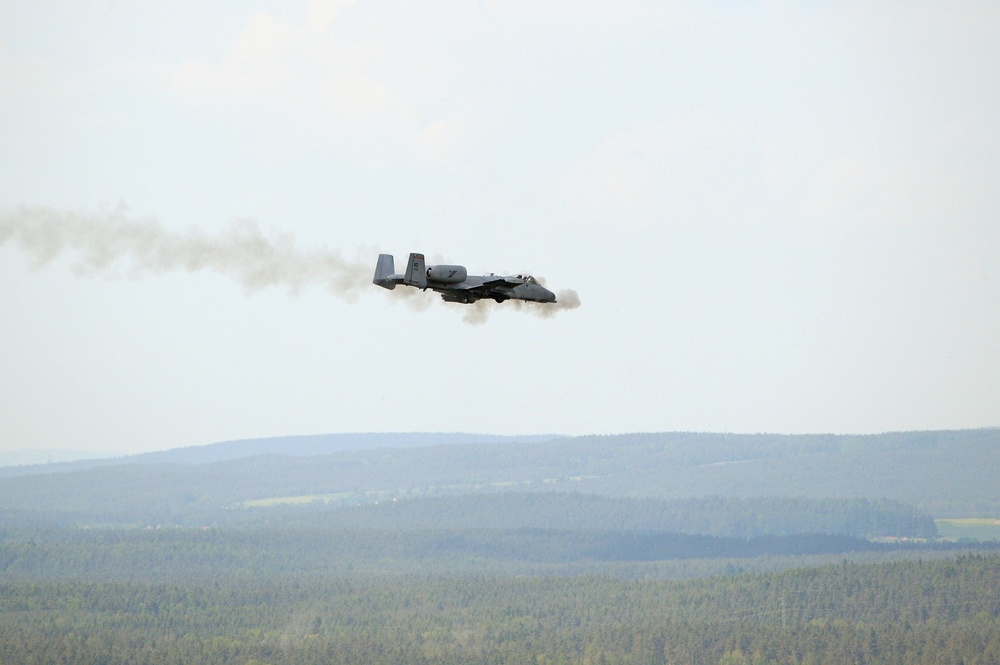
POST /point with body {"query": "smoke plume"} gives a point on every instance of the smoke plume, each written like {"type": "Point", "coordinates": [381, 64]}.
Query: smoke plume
{"type": "Point", "coordinates": [478, 312]}
{"type": "Point", "coordinates": [114, 243]}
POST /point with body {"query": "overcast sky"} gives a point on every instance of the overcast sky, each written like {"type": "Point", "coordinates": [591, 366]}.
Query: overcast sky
{"type": "Point", "coordinates": [778, 216]}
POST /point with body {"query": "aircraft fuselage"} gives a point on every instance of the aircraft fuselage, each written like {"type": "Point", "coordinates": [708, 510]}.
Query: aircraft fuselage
{"type": "Point", "coordinates": [454, 284]}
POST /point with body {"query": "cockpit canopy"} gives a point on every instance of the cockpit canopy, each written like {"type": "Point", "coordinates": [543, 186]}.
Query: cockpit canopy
{"type": "Point", "coordinates": [528, 279]}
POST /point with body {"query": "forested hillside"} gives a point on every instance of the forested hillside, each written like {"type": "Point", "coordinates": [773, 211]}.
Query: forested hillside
{"type": "Point", "coordinates": [924, 613]}
{"type": "Point", "coordinates": [941, 473]}
{"type": "Point", "coordinates": [508, 551]}
{"type": "Point", "coordinates": [218, 554]}
{"type": "Point", "coordinates": [713, 516]}
{"type": "Point", "coordinates": [288, 446]}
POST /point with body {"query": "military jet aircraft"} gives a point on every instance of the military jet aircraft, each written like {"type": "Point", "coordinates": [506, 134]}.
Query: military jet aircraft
{"type": "Point", "coordinates": [456, 285]}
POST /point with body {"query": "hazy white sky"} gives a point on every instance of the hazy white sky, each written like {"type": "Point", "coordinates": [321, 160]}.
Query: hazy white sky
{"type": "Point", "coordinates": [779, 216]}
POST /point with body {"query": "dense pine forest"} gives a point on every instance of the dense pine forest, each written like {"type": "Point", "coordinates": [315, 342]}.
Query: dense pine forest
{"type": "Point", "coordinates": [180, 555]}
{"type": "Point", "coordinates": [649, 548]}
{"type": "Point", "coordinates": [916, 612]}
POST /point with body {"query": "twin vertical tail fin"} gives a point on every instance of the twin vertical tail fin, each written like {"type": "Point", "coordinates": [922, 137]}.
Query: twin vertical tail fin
{"type": "Point", "coordinates": [384, 272]}
{"type": "Point", "coordinates": [386, 277]}
{"type": "Point", "coordinates": [416, 272]}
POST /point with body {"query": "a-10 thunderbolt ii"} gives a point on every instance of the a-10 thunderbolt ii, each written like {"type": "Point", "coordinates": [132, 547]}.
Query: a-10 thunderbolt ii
{"type": "Point", "coordinates": [456, 285]}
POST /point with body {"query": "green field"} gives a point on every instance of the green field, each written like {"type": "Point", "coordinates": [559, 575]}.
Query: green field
{"type": "Point", "coordinates": [972, 528]}
{"type": "Point", "coordinates": [375, 495]}
{"type": "Point", "coordinates": [294, 500]}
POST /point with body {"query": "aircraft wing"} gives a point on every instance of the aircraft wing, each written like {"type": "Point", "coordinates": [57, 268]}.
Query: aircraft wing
{"type": "Point", "coordinates": [477, 286]}
{"type": "Point", "coordinates": [490, 282]}
{"type": "Point", "coordinates": [468, 292]}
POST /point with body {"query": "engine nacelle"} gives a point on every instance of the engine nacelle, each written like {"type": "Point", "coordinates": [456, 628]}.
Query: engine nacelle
{"type": "Point", "coordinates": [446, 274]}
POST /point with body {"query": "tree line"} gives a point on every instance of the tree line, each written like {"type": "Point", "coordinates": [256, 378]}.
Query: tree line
{"type": "Point", "coordinates": [736, 517]}
{"type": "Point", "coordinates": [713, 516]}
{"type": "Point", "coordinates": [172, 554]}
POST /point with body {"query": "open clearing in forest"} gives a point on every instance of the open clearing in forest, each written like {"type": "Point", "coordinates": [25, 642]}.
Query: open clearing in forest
{"type": "Point", "coordinates": [376, 495]}
{"type": "Point", "coordinates": [293, 500]}
{"type": "Point", "coordinates": [974, 528]}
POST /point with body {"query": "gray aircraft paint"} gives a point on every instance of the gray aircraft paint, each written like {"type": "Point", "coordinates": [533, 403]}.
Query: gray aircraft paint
{"type": "Point", "coordinates": [454, 284]}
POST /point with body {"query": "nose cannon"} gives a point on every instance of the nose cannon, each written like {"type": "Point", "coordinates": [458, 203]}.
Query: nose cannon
{"type": "Point", "coordinates": [539, 293]}
{"type": "Point", "coordinates": [532, 290]}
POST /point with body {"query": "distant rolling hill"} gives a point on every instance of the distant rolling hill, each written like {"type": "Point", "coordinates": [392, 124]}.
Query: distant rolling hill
{"type": "Point", "coordinates": [947, 473]}
{"type": "Point", "coordinates": [47, 457]}
{"type": "Point", "coordinates": [61, 461]}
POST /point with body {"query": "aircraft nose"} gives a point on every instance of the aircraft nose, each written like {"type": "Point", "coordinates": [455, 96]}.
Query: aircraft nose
{"type": "Point", "coordinates": [548, 296]}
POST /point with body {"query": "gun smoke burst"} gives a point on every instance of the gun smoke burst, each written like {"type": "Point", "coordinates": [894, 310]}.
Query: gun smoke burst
{"type": "Point", "coordinates": [113, 243]}
{"type": "Point", "coordinates": [478, 312]}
